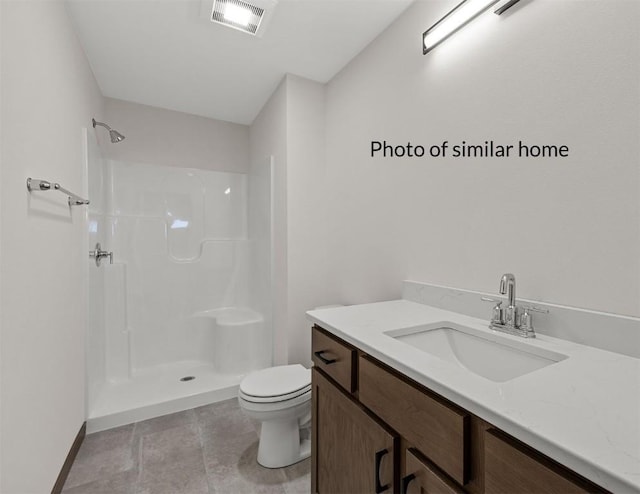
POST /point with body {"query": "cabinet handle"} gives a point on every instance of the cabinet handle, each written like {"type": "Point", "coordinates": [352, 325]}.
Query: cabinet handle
{"type": "Point", "coordinates": [405, 483]}
{"type": "Point", "coordinates": [327, 361]}
{"type": "Point", "coordinates": [380, 488]}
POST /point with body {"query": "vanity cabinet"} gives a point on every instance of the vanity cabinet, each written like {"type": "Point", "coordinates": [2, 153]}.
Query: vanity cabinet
{"type": "Point", "coordinates": [353, 453]}
{"type": "Point", "coordinates": [375, 430]}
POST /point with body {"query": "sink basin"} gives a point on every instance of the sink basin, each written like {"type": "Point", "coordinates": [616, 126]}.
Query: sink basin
{"type": "Point", "coordinates": [493, 357]}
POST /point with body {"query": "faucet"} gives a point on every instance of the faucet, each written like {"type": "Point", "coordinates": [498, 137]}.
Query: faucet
{"type": "Point", "coordinates": [515, 320]}
{"type": "Point", "coordinates": [508, 283]}
{"type": "Point", "coordinates": [508, 287]}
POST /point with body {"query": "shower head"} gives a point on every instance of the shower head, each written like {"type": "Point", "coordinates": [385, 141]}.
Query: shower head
{"type": "Point", "coordinates": [114, 134]}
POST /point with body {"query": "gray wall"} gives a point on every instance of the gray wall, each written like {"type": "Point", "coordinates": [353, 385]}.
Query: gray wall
{"type": "Point", "coordinates": [291, 128]}
{"type": "Point", "coordinates": [48, 97]}
{"type": "Point", "coordinates": [549, 72]}
{"type": "Point", "coordinates": [306, 208]}
{"type": "Point", "coordinates": [164, 137]}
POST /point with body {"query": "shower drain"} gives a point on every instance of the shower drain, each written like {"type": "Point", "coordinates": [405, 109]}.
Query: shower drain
{"type": "Point", "coordinates": [187, 378]}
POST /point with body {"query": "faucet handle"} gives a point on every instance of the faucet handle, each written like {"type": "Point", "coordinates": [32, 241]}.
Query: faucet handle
{"type": "Point", "coordinates": [98, 254]}
{"type": "Point", "coordinates": [497, 317]}
{"type": "Point", "coordinates": [526, 321]}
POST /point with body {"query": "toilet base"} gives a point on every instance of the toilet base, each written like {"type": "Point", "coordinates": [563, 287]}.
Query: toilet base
{"type": "Point", "coordinates": [281, 445]}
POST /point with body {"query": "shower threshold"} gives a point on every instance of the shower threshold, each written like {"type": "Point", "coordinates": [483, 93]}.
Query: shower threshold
{"type": "Point", "coordinates": [160, 390]}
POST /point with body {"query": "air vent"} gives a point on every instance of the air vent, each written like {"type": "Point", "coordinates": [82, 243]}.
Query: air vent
{"type": "Point", "coordinates": [238, 15]}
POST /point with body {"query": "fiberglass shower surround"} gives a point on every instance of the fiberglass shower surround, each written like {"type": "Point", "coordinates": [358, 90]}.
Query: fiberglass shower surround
{"type": "Point", "coordinates": [180, 299]}
{"type": "Point", "coordinates": [181, 238]}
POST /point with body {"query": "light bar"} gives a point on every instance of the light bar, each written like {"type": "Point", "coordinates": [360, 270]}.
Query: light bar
{"type": "Point", "coordinates": [462, 14]}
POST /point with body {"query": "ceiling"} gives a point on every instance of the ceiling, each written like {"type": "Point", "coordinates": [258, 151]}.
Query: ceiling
{"type": "Point", "coordinates": [165, 53]}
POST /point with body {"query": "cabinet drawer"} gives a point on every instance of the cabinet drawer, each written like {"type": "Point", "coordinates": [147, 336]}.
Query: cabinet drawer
{"type": "Point", "coordinates": [422, 476]}
{"type": "Point", "coordinates": [436, 428]}
{"type": "Point", "coordinates": [334, 357]}
{"type": "Point", "coordinates": [512, 467]}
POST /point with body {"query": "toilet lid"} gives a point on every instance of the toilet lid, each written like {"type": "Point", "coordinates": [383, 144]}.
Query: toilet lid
{"type": "Point", "coordinates": [276, 381]}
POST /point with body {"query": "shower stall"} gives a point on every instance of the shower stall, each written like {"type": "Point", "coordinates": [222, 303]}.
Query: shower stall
{"type": "Point", "coordinates": [183, 310]}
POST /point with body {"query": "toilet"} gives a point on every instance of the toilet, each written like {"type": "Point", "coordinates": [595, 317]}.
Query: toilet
{"type": "Point", "coordinates": [280, 398]}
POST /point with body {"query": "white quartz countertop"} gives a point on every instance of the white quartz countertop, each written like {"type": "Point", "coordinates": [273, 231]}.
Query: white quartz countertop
{"type": "Point", "coordinates": [584, 411]}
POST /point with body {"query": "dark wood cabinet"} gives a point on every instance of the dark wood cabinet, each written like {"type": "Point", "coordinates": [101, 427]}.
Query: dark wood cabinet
{"type": "Point", "coordinates": [336, 358]}
{"type": "Point", "coordinates": [433, 426]}
{"type": "Point", "coordinates": [511, 466]}
{"type": "Point", "coordinates": [375, 430]}
{"type": "Point", "coordinates": [353, 453]}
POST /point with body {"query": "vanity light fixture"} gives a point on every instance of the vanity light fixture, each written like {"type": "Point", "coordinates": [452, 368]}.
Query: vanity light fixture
{"type": "Point", "coordinates": [505, 6]}
{"type": "Point", "coordinates": [460, 16]}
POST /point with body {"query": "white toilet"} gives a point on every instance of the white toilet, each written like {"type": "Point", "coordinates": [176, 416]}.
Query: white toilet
{"type": "Point", "coordinates": [280, 398]}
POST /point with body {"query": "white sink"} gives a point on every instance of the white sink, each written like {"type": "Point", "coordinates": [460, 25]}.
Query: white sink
{"type": "Point", "coordinates": [491, 356]}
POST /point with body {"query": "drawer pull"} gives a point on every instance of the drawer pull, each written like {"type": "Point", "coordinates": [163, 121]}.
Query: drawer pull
{"type": "Point", "coordinates": [405, 483]}
{"type": "Point", "coordinates": [380, 488]}
{"type": "Point", "coordinates": [327, 361]}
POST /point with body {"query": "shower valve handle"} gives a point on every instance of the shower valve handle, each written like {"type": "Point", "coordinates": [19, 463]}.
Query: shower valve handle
{"type": "Point", "coordinates": [98, 254]}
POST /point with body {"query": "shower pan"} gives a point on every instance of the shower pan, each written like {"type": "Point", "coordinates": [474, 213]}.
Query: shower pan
{"type": "Point", "coordinates": [184, 311]}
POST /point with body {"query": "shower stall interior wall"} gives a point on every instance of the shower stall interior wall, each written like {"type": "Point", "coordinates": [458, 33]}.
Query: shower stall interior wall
{"type": "Point", "coordinates": [184, 311]}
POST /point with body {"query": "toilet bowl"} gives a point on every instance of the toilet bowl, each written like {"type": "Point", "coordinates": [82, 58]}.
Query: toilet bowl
{"type": "Point", "coordinates": [280, 398]}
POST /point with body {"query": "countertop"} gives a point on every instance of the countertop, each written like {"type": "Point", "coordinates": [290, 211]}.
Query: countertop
{"type": "Point", "coordinates": [584, 411]}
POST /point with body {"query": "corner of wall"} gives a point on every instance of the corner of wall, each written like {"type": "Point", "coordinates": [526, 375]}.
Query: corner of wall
{"type": "Point", "coordinates": [268, 138]}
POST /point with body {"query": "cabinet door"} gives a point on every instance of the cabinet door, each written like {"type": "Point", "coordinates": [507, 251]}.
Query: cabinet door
{"type": "Point", "coordinates": [351, 453]}
{"type": "Point", "coordinates": [423, 477]}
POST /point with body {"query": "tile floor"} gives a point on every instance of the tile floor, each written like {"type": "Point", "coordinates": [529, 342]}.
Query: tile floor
{"type": "Point", "coordinates": [207, 450]}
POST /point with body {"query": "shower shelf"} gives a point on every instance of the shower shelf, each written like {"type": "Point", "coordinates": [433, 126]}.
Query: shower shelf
{"type": "Point", "coordinates": [37, 184]}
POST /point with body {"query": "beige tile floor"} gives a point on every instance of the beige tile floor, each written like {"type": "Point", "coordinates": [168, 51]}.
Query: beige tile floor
{"type": "Point", "coordinates": [207, 450]}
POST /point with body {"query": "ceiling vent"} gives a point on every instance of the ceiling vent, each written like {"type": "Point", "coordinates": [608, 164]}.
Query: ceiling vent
{"type": "Point", "coordinates": [248, 17]}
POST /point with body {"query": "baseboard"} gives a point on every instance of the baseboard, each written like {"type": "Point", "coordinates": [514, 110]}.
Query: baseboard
{"type": "Point", "coordinates": [64, 472]}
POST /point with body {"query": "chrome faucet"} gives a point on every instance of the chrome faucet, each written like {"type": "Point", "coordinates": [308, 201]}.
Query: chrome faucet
{"type": "Point", "coordinates": [508, 283]}
{"type": "Point", "coordinates": [515, 320]}
{"type": "Point", "coordinates": [508, 287]}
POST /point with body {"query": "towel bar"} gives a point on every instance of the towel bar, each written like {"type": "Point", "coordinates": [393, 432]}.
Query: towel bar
{"type": "Point", "coordinates": [37, 184]}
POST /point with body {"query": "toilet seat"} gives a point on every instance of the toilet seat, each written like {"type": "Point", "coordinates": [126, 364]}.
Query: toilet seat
{"type": "Point", "coordinates": [275, 399]}
{"type": "Point", "coordinates": [276, 384]}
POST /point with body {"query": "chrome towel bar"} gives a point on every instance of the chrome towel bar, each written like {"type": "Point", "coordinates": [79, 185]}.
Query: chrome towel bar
{"type": "Point", "coordinates": [36, 184]}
